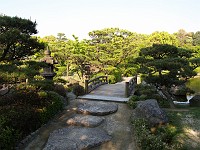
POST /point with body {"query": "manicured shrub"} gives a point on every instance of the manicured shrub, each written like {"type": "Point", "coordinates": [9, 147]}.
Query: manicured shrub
{"type": "Point", "coordinates": [19, 71]}
{"type": "Point", "coordinates": [145, 89]}
{"type": "Point", "coordinates": [78, 90]}
{"type": "Point", "coordinates": [134, 99]}
{"type": "Point", "coordinates": [60, 80]}
{"type": "Point", "coordinates": [144, 92]}
{"type": "Point", "coordinates": [54, 107]}
{"type": "Point", "coordinates": [8, 136]}
{"type": "Point", "coordinates": [43, 84]}
{"type": "Point", "coordinates": [25, 110]}
{"type": "Point", "coordinates": [60, 89]}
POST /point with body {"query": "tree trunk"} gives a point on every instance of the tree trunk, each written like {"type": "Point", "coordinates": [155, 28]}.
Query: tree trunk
{"type": "Point", "coordinates": [168, 96]}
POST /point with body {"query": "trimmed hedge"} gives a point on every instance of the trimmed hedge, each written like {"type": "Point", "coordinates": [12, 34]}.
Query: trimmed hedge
{"type": "Point", "coordinates": [24, 111]}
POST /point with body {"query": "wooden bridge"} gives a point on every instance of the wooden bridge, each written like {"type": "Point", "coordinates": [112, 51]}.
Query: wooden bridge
{"type": "Point", "coordinates": [99, 89]}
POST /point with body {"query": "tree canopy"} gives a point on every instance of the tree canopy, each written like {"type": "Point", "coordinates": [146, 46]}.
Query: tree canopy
{"type": "Point", "coordinates": [165, 64]}
{"type": "Point", "coordinates": [113, 50]}
{"type": "Point", "coordinates": [15, 38]}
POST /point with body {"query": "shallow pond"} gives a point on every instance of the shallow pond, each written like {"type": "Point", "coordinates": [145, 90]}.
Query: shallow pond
{"type": "Point", "coordinates": [193, 84]}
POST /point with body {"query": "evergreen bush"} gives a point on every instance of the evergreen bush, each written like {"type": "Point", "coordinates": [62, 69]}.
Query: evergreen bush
{"type": "Point", "coordinates": [78, 90]}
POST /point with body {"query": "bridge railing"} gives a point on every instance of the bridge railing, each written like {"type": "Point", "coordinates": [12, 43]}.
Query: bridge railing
{"type": "Point", "coordinates": [94, 83]}
{"type": "Point", "coordinates": [129, 86]}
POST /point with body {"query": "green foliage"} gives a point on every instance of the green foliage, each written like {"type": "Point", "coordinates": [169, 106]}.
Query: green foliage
{"type": "Point", "coordinates": [111, 79]}
{"type": "Point", "coordinates": [7, 135]}
{"type": "Point", "coordinates": [60, 89]}
{"type": "Point", "coordinates": [162, 138]}
{"type": "Point", "coordinates": [43, 84]}
{"type": "Point", "coordinates": [193, 84]}
{"type": "Point", "coordinates": [144, 92]}
{"type": "Point", "coordinates": [111, 47]}
{"type": "Point", "coordinates": [50, 110]}
{"type": "Point", "coordinates": [19, 71]}
{"type": "Point", "coordinates": [165, 64]}
{"type": "Point", "coordinates": [131, 71]}
{"type": "Point", "coordinates": [133, 101]}
{"type": "Point", "coordinates": [61, 71]}
{"type": "Point", "coordinates": [60, 80]}
{"type": "Point", "coordinates": [16, 38]}
{"type": "Point", "coordinates": [118, 48]}
{"type": "Point", "coordinates": [72, 55]}
{"type": "Point", "coordinates": [145, 89]}
{"type": "Point", "coordinates": [186, 121]}
{"type": "Point", "coordinates": [25, 110]}
{"type": "Point", "coordinates": [196, 38]}
{"type": "Point", "coordinates": [32, 68]}
{"type": "Point", "coordinates": [38, 78]}
{"type": "Point", "coordinates": [197, 69]}
{"type": "Point", "coordinates": [163, 38]}
{"type": "Point", "coordinates": [195, 112]}
{"type": "Point", "coordinates": [114, 74]}
{"type": "Point", "coordinates": [78, 90]}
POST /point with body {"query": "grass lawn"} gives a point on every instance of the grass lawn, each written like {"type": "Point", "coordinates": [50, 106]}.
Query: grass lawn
{"type": "Point", "coordinates": [194, 84]}
{"type": "Point", "coordinates": [187, 121]}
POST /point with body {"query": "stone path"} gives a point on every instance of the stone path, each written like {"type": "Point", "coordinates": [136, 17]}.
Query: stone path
{"type": "Point", "coordinates": [70, 130]}
{"type": "Point", "coordinates": [76, 138]}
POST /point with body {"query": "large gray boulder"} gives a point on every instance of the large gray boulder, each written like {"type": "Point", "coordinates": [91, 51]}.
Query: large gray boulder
{"type": "Point", "coordinates": [195, 101]}
{"type": "Point", "coordinates": [150, 111]}
{"type": "Point", "coordinates": [76, 138]}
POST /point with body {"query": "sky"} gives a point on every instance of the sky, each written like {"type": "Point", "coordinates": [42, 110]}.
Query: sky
{"type": "Point", "coordinates": [79, 17]}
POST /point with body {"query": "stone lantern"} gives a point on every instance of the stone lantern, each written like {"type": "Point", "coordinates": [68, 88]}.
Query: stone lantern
{"type": "Point", "coordinates": [48, 72]}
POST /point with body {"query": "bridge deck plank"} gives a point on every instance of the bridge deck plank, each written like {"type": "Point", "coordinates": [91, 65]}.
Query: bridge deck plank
{"type": "Point", "coordinates": [108, 92]}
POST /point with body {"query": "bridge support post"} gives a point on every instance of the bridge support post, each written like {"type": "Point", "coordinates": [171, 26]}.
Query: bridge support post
{"type": "Point", "coordinates": [126, 89]}
{"type": "Point", "coordinates": [106, 78]}
{"type": "Point", "coordinates": [86, 86]}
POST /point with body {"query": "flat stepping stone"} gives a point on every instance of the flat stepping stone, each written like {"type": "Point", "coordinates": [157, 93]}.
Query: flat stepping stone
{"type": "Point", "coordinates": [76, 138]}
{"type": "Point", "coordinates": [97, 108]}
{"type": "Point", "coordinates": [86, 121]}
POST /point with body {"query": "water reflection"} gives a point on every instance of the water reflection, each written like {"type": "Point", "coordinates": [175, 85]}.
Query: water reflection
{"type": "Point", "coordinates": [193, 84]}
{"type": "Point", "coordinates": [188, 97]}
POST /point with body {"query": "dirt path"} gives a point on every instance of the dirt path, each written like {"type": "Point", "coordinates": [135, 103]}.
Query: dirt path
{"type": "Point", "coordinates": [117, 125]}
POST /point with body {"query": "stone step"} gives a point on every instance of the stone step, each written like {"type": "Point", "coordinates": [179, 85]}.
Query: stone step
{"type": "Point", "coordinates": [104, 98]}
{"type": "Point", "coordinates": [96, 108]}
{"type": "Point", "coordinates": [76, 138]}
{"type": "Point", "coordinates": [85, 120]}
